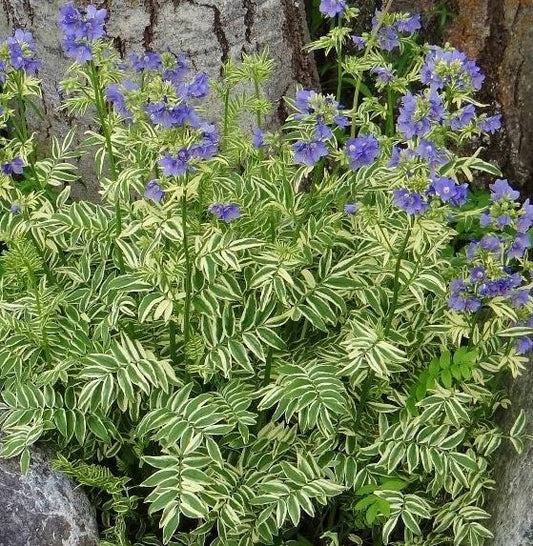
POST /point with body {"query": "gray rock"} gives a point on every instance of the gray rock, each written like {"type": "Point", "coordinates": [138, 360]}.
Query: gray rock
{"type": "Point", "coordinates": [43, 508]}
{"type": "Point", "coordinates": [511, 501]}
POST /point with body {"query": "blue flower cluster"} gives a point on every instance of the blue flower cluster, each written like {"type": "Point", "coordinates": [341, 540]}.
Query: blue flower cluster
{"type": "Point", "coordinates": [225, 212]}
{"type": "Point", "coordinates": [80, 29]}
{"type": "Point", "coordinates": [15, 166]}
{"type": "Point", "coordinates": [22, 53]}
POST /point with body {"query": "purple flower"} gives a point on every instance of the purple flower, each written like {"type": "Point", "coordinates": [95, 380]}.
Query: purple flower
{"type": "Point", "coordinates": [77, 49]}
{"type": "Point", "coordinates": [15, 166]}
{"type": "Point", "coordinates": [410, 202]}
{"type": "Point", "coordinates": [199, 87]}
{"type": "Point", "coordinates": [411, 123]}
{"type": "Point", "coordinates": [523, 345]}
{"type": "Point", "coordinates": [341, 121]}
{"type": "Point", "coordinates": [429, 151]}
{"type": "Point", "coordinates": [362, 150]}
{"type": "Point", "coordinates": [446, 67]}
{"type": "Point", "coordinates": [382, 74]}
{"type": "Point", "coordinates": [258, 137]}
{"type": "Point", "coordinates": [477, 274]}
{"type": "Point", "coordinates": [302, 101]}
{"type": "Point", "coordinates": [350, 208]}
{"type": "Point", "coordinates": [485, 219]}
{"type": "Point", "coordinates": [464, 303]}
{"type": "Point", "coordinates": [519, 298]}
{"type": "Point", "coordinates": [491, 124]}
{"type": "Point", "coordinates": [21, 47]}
{"type": "Point", "coordinates": [149, 61]}
{"type": "Point", "coordinates": [444, 187]}
{"type": "Point", "coordinates": [208, 147]}
{"type": "Point", "coordinates": [176, 165]}
{"type": "Point", "coordinates": [322, 131]}
{"type": "Point", "coordinates": [14, 208]}
{"type": "Point", "coordinates": [359, 42]}
{"type": "Point", "coordinates": [93, 29]}
{"type": "Point", "coordinates": [154, 191]}
{"type": "Point", "coordinates": [388, 38]}
{"type": "Point", "coordinates": [116, 98]}
{"type": "Point", "coordinates": [525, 220]}
{"type": "Point", "coordinates": [411, 23]}
{"type": "Point", "coordinates": [308, 153]}
{"type": "Point", "coordinates": [69, 19]}
{"type": "Point", "coordinates": [2, 75]}
{"type": "Point", "coordinates": [462, 117]}
{"type": "Point", "coordinates": [471, 250]}
{"type": "Point", "coordinates": [227, 213]}
{"type": "Point", "coordinates": [519, 245]}
{"type": "Point", "coordinates": [503, 221]}
{"type": "Point", "coordinates": [490, 243]}
{"type": "Point", "coordinates": [332, 7]}
{"type": "Point", "coordinates": [177, 73]}
{"type": "Point", "coordinates": [501, 190]}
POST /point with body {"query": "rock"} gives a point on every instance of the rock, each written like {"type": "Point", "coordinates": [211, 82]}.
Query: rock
{"type": "Point", "coordinates": [209, 32]}
{"type": "Point", "coordinates": [510, 501]}
{"type": "Point", "coordinates": [43, 508]}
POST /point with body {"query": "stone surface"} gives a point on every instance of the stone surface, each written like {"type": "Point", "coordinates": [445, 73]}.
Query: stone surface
{"type": "Point", "coordinates": [209, 31]}
{"type": "Point", "coordinates": [510, 501]}
{"type": "Point", "coordinates": [43, 508]}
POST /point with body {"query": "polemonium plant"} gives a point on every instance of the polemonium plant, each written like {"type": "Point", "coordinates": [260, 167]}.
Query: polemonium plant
{"type": "Point", "coordinates": [265, 338]}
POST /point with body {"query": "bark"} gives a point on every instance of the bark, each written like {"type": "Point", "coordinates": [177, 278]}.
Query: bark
{"type": "Point", "coordinates": [209, 31]}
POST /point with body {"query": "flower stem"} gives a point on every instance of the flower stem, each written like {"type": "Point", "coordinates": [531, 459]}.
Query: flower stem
{"type": "Point", "coordinates": [396, 288]}
{"type": "Point", "coordinates": [101, 111]}
{"type": "Point", "coordinates": [187, 306]}
{"type": "Point", "coordinates": [375, 30]}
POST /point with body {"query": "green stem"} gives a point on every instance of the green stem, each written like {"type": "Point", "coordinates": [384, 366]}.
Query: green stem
{"type": "Point", "coordinates": [355, 104]}
{"type": "Point", "coordinates": [187, 307]}
{"type": "Point", "coordinates": [390, 111]}
{"type": "Point", "coordinates": [396, 288]}
{"type": "Point", "coordinates": [317, 172]}
{"type": "Point", "coordinates": [101, 110]}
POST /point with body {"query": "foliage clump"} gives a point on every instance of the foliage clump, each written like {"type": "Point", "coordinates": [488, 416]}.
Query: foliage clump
{"type": "Point", "coordinates": [275, 339]}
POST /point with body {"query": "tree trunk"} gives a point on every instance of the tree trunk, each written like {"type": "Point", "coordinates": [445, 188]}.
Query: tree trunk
{"type": "Point", "coordinates": [208, 31]}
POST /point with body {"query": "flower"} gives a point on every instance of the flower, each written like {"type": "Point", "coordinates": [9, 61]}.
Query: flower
{"type": "Point", "coordinates": [14, 208]}
{"type": "Point", "coordinates": [154, 191]}
{"type": "Point", "coordinates": [477, 274]}
{"type": "Point", "coordinates": [332, 7]}
{"type": "Point", "coordinates": [384, 75]}
{"type": "Point", "coordinates": [490, 242]}
{"type": "Point", "coordinates": [362, 150]}
{"type": "Point", "coordinates": [359, 42]}
{"type": "Point", "coordinates": [308, 153]}
{"type": "Point", "coordinates": [350, 208]}
{"type": "Point", "coordinates": [388, 38]}
{"type": "Point", "coordinates": [411, 122]}
{"type": "Point", "coordinates": [171, 117]}
{"type": "Point", "coordinates": [523, 345]}
{"type": "Point", "coordinates": [148, 61]}
{"type": "Point", "coordinates": [175, 165]}
{"type": "Point", "coordinates": [15, 166]}
{"type": "Point", "coordinates": [21, 47]}
{"type": "Point", "coordinates": [208, 147]}
{"type": "Point", "coordinates": [519, 298]}
{"type": "Point", "coordinates": [410, 23]}
{"type": "Point", "coordinates": [462, 117]}
{"type": "Point", "coordinates": [322, 131]}
{"type": "Point", "coordinates": [258, 138]}
{"type": "Point", "coordinates": [302, 101]}
{"type": "Point", "coordinates": [429, 151]}
{"type": "Point", "coordinates": [410, 202]}
{"type": "Point", "coordinates": [116, 98]}
{"type": "Point", "coordinates": [225, 212]}
{"type": "Point", "coordinates": [199, 87]}
{"type": "Point", "coordinates": [78, 50]}
{"type": "Point", "coordinates": [491, 124]}
{"type": "Point", "coordinates": [445, 188]}
{"type": "Point", "coordinates": [525, 220]}
{"type": "Point", "coordinates": [519, 245]}
{"type": "Point", "coordinates": [501, 190]}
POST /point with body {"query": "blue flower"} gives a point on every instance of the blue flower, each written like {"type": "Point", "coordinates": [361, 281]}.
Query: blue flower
{"type": "Point", "coordinates": [485, 219]}
{"type": "Point", "coordinates": [341, 121]}
{"type": "Point", "coordinates": [78, 50]}
{"type": "Point", "coordinates": [199, 87]}
{"type": "Point", "coordinates": [359, 42]}
{"type": "Point", "coordinates": [350, 208]}
{"type": "Point", "coordinates": [322, 131]}
{"type": "Point", "coordinates": [302, 101]}
{"type": "Point", "coordinates": [491, 124]}
{"type": "Point", "coordinates": [308, 153]}
{"type": "Point", "coordinates": [154, 191]}
{"type": "Point", "coordinates": [382, 74]}
{"type": "Point", "coordinates": [447, 190]}
{"type": "Point", "coordinates": [15, 166]}
{"type": "Point", "coordinates": [21, 47]}
{"type": "Point", "coordinates": [519, 245]}
{"type": "Point", "coordinates": [411, 123]}
{"type": "Point", "coordinates": [523, 345]}
{"type": "Point", "coordinates": [477, 274]}
{"type": "Point", "coordinates": [14, 208]}
{"type": "Point", "coordinates": [225, 212]}
{"type": "Point", "coordinates": [148, 61]}
{"type": "Point", "coordinates": [503, 221]}
{"type": "Point", "coordinates": [362, 150]}
{"type": "Point", "coordinates": [410, 23]}
{"type": "Point", "coordinates": [208, 147]}
{"type": "Point", "coordinates": [116, 98]}
{"type": "Point", "coordinates": [490, 242]}
{"type": "Point", "coordinates": [388, 38]}
{"type": "Point", "coordinates": [258, 138]}
{"type": "Point", "coordinates": [462, 117]}
{"type": "Point", "coordinates": [519, 298]}
{"type": "Point", "coordinates": [429, 151]}
{"type": "Point", "coordinates": [501, 190]}
{"type": "Point", "coordinates": [525, 220]}
{"type": "Point", "coordinates": [332, 7]}
{"type": "Point", "coordinates": [410, 202]}
{"type": "Point", "coordinates": [176, 165]}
